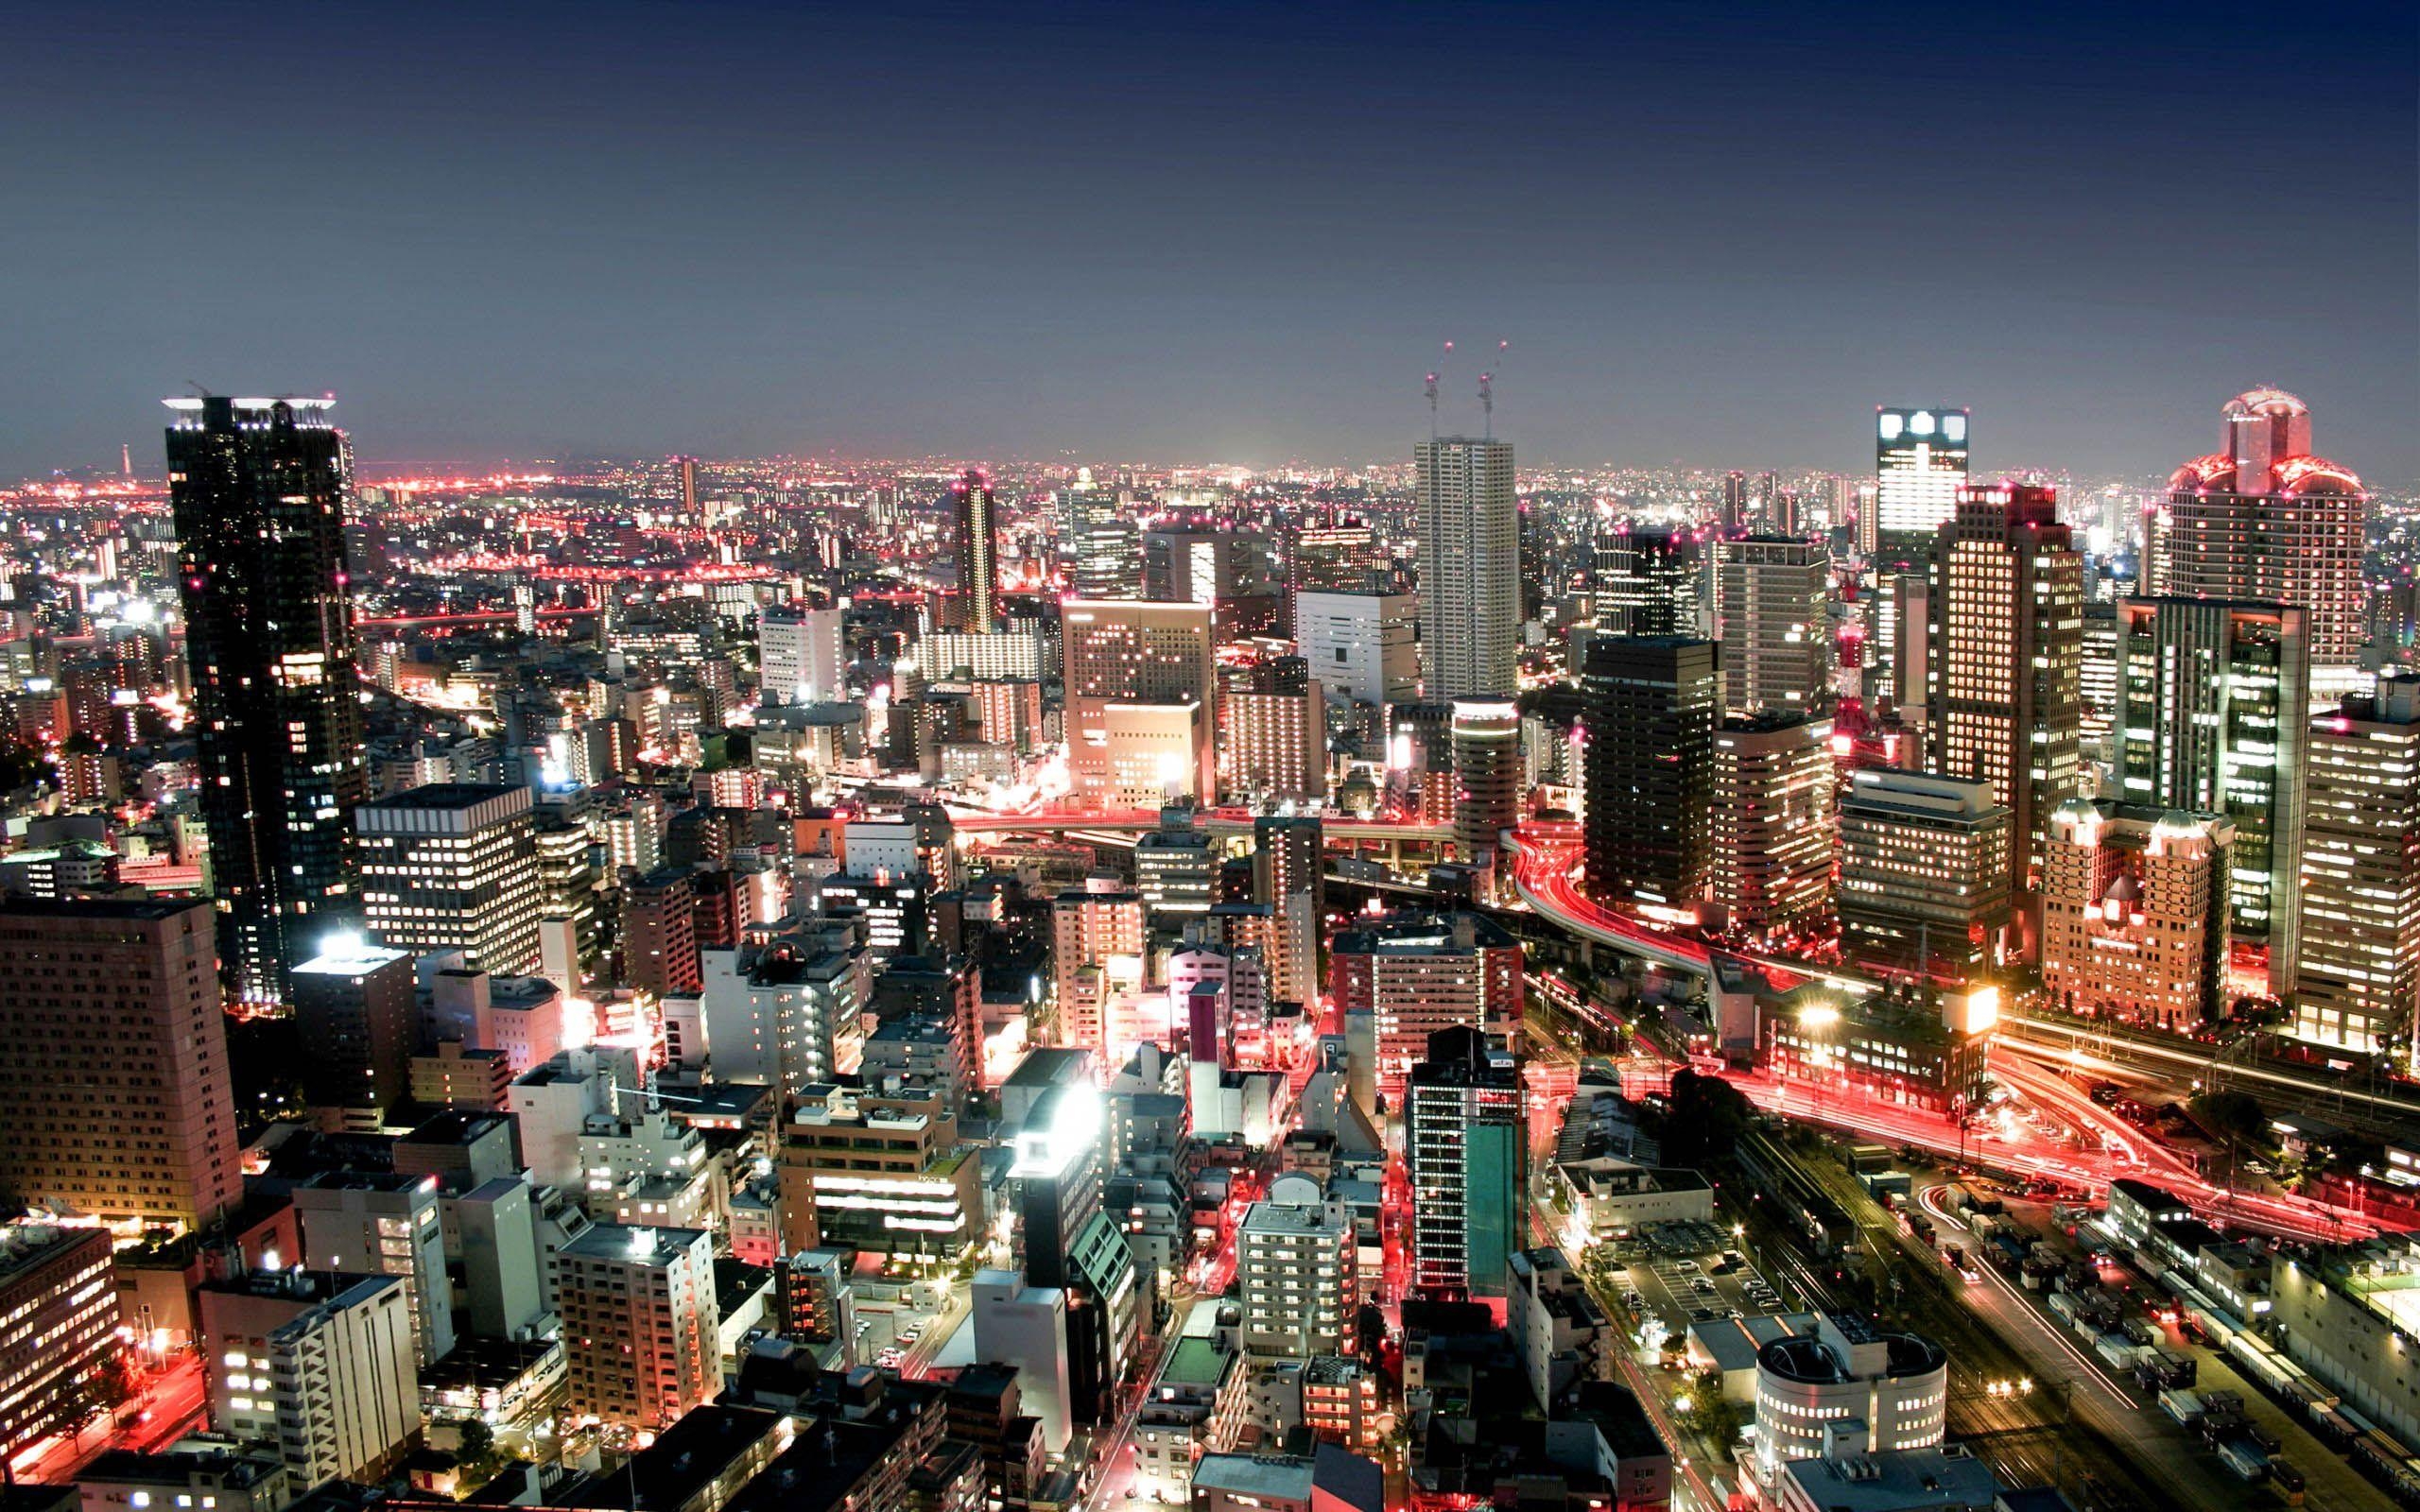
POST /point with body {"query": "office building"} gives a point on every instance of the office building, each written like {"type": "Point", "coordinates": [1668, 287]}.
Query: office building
{"type": "Point", "coordinates": [214, 1475]}
{"type": "Point", "coordinates": [1072, 1245]}
{"type": "Point", "coordinates": [1297, 1269]}
{"type": "Point", "coordinates": [1646, 582]}
{"type": "Point", "coordinates": [1140, 681]}
{"type": "Point", "coordinates": [1096, 954]}
{"type": "Point", "coordinates": [2213, 701]}
{"type": "Point", "coordinates": [1773, 834]}
{"type": "Point", "coordinates": [1919, 473]}
{"type": "Point", "coordinates": [257, 487]}
{"type": "Point", "coordinates": [355, 1016]}
{"type": "Point", "coordinates": [2134, 913]}
{"type": "Point", "coordinates": [2358, 980]}
{"type": "Point", "coordinates": [1328, 1479]}
{"type": "Point", "coordinates": [69, 1096]}
{"type": "Point", "coordinates": [319, 1364]}
{"type": "Point", "coordinates": [2006, 601]}
{"type": "Point", "coordinates": [453, 866]}
{"type": "Point", "coordinates": [976, 606]}
{"type": "Point", "coordinates": [884, 1174]}
{"type": "Point", "coordinates": [59, 1319]}
{"type": "Point", "coordinates": [1342, 558]}
{"type": "Point", "coordinates": [1176, 867]}
{"type": "Point", "coordinates": [1289, 876]}
{"type": "Point", "coordinates": [2263, 520]}
{"type": "Point", "coordinates": [1414, 975]}
{"type": "Point", "coordinates": [1360, 645]}
{"type": "Point", "coordinates": [1099, 540]}
{"type": "Point", "coordinates": [1470, 568]}
{"type": "Point", "coordinates": [1465, 1150]}
{"type": "Point", "coordinates": [1847, 1375]}
{"type": "Point", "coordinates": [800, 655]}
{"type": "Point", "coordinates": [1487, 778]}
{"type": "Point", "coordinates": [1923, 874]}
{"type": "Point", "coordinates": [1649, 709]}
{"type": "Point", "coordinates": [640, 1323]}
{"type": "Point", "coordinates": [1769, 610]}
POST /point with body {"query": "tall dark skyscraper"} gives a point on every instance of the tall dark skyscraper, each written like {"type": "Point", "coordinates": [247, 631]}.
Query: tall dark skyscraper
{"type": "Point", "coordinates": [1652, 704]}
{"type": "Point", "coordinates": [1645, 581]}
{"type": "Point", "coordinates": [979, 571]}
{"type": "Point", "coordinates": [258, 489]}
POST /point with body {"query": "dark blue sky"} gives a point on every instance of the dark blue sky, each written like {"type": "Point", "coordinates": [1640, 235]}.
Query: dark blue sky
{"type": "Point", "coordinates": [1712, 234]}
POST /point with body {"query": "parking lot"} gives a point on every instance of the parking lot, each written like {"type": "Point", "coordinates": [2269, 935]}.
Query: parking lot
{"type": "Point", "coordinates": [1684, 1273]}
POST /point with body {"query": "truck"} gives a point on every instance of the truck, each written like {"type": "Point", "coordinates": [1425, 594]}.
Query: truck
{"type": "Point", "coordinates": [2181, 1405]}
{"type": "Point", "coordinates": [2289, 1481]}
{"type": "Point", "coordinates": [2245, 1459]}
{"type": "Point", "coordinates": [2140, 1331]}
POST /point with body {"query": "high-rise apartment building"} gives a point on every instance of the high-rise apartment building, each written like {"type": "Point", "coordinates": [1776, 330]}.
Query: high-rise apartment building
{"type": "Point", "coordinates": [2213, 701]}
{"type": "Point", "coordinates": [1288, 875]}
{"type": "Point", "coordinates": [1414, 974]}
{"type": "Point", "coordinates": [321, 1363]}
{"type": "Point", "coordinates": [1919, 471]}
{"type": "Point", "coordinates": [1275, 715]}
{"type": "Point", "coordinates": [1650, 704]}
{"type": "Point", "coordinates": [134, 1127]}
{"type": "Point", "coordinates": [453, 866]}
{"type": "Point", "coordinates": [2134, 913]}
{"type": "Point", "coordinates": [1096, 954]}
{"type": "Point", "coordinates": [640, 1323]}
{"type": "Point", "coordinates": [1464, 1150]}
{"type": "Point", "coordinates": [976, 606]}
{"type": "Point", "coordinates": [2261, 519]}
{"type": "Point", "coordinates": [2007, 641]}
{"type": "Point", "coordinates": [659, 934]}
{"type": "Point", "coordinates": [1773, 831]}
{"type": "Point", "coordinates": [1126, 663]}
{"type": "Point", "coordinates": [258, 488]}
{"type": "Point", "coordinates": [1924, 881]}
{"type": "Point", "coordinates": [1360, 645]}
{"type": "Point", "coordinates": [1769, 597]}
{"type": "Point", "coordinates": [1297, 1269]}
{"type": "Point", "coordinates": [2358, 981]}
{"type": "Point", "coordinates": [385, 1222]}
{"type": "Point", "coordinates": [1470, 568]}
{"type": "Point", "coordinates": [1487, 778]}
{"type": "Point", "coordinates": [1646, 582]}
{"type": "Point", "coordinates": [800, 655]}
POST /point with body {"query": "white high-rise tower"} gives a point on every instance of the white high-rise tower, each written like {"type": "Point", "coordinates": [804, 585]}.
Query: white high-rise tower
{"type": "Point", "coordinates": [1470, 569]}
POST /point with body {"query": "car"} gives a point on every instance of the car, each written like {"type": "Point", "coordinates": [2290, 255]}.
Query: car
{"type": "Point", "coordinates": [1701, 1315]}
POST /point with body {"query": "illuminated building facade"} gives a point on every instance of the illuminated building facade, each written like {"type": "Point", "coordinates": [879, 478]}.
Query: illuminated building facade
{"type": "Point", "coordinates": [1646, 582]}
{"type": "Point", "coordinates": [318, 1363]}
{"type": "Point", "coordinates": [69, 1096]}
{"type": "Point", "coordinates": [1096, 945]}
{"type": "Point", "coordinates": [1770, 598]}
{"type": "Point", "coordinates": [889, 1175]}
{"type": "Point", "coordinates": [1139, 678]}
{"type": "Point", "coordinates": [2212, 700]}
{"type": "Point", "coordinates": [258, 489]}
{"type": "Point", "coordinates": [1650, 707]}
{"type": "Point", "coordinates": [1465, 1151]}
{"type": "Point", "coordinates": [453, 866]}
{"type": "Point", "coordinates": [1416, 974]}
{"type": "Point", "coordinates": [1900, 1049]}
{"type": "Point", "coordinates": [1360, 645]}
{"type": "Point", "coordinates": [2134, 913]}
{"type": "Point", "coordinates": [1072, 1245]}
{"type": "Point", "coordinates": [1276, 733]}
{"type": "Point", "coordinates": [2262, 520]}
{"type": "Point", "coordinates": [2358, 980]}
{"type": "Point", "coordinates": [800, 655]}
{"type": "Point", "coordinates": [1298, 1270]}
{"type": "Point", "coordinates": [1919, 471]}
{"type": "Point", "coordinates": [976, 606]}
{"type": "Point", "coordinates": [640, 1323]}
{"type": "Point", "coordinates": [58, 1315]}
{"type": "Point", "coordinates": [2007, 636]}
{"type": "Point", "coordinates": [1889, 1391]}
{"type": "Point", "coordinates": [1470, 568]}
{"type": "Point", "coordinates": [1924, 881]}
{"type": "Point", "coordinates": [1487, 777]}
{"type": "Point", "coordinates": [1772, 823]}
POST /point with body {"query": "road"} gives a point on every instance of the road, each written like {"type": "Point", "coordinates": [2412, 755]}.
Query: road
{"type": "Point", "coordinates": [171, 1405]}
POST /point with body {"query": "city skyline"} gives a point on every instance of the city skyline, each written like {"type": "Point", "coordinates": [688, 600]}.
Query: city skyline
{"type": "Point", "coordinates": [1197, 239]}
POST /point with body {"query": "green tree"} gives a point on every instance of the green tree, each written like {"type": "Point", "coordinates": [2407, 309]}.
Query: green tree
{"type": "Point", "coordinates": [478, 1440]}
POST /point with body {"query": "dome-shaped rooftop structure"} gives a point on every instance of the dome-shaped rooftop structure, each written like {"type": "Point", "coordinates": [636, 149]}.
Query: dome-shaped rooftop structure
{"type": "Point", "coordinates": [2274, 403]}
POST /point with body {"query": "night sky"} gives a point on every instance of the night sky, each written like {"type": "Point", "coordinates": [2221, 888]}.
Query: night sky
{"type": "Point", "coordinates": [1714, 236]}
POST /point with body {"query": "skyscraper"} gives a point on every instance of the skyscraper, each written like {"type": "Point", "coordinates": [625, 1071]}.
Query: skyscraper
{"type": "Point", "coordinates": [1769, 606]}
{"type": "Point", "coordinates": [2264, 520]}
{"type": "Point", "coordinates": [1646, 582]}
{"type": "Point", "coordinates": [1099, 540]}
{"type": "Point", "coordinates": [978, 575]}
{"type": "Point", "coordinates": [2212, 714]}
{"type": "Point", "coordinates": [1773, 825]}
{"type": "Point", "coordinates": [1470, 568]}
{"type": "Point", "coordinates": [2007, 634]}
{"type": "Point", "coordinates": [1071, 1244]}
{"type": "Point", "coordinates": [1464, 1150]}
{"type": "Point", "coordinates": [257, 487]}
{"type": "Point", "coordinates": [1651, 705]}
{"type": "Point", "coordinates": [2358, 980]}
{"type": "Point", "coordinates": [454, 866]}
{"type": "Point", "coordinates": [1919, 471]}
{"type": "Point", "coordinates": [1923, 874]}
{"type": "Point", "coordinates": [1487, 778]}
{"type": "Point", "coordinates": [157, 1068]}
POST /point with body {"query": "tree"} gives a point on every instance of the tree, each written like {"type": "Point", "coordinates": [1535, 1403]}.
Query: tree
{"type": "Point", "coordinates": [1707, 1120]}
{"type": "Point", "coordinates": [478, 1440]}
{"type": "Point", "coordinates": [2231, 1115]}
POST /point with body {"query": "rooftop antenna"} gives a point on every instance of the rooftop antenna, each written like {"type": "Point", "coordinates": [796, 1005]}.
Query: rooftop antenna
{"type": "Point", "coordinates": [1487, 387]}
{"type": "Point", "coordinates": [1434, 379]}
